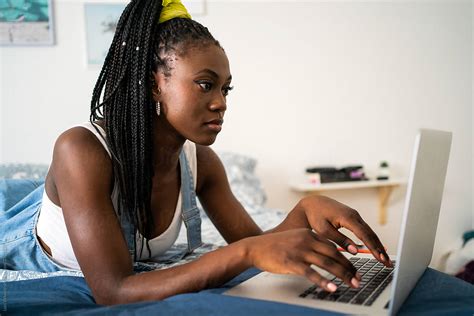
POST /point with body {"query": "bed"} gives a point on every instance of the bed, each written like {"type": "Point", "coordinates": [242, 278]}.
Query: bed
{"type": "Point", "coordinates": [29, 292]}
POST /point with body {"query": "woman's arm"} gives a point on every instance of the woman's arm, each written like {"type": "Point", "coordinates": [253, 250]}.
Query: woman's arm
{"type": "Point", "coordinates": [289, 248]}
{"type": "Point", "coordinates": [321, 214]}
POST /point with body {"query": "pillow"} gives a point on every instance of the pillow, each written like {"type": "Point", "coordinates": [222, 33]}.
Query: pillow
{"type": "Point", "coordinates": [244, 183]}
{"type": "Point", "coordinates": [14, 190]}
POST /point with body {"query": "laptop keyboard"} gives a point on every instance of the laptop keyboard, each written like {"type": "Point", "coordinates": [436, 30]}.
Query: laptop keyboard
{"type": "Point", "coordinates": [375, 278]}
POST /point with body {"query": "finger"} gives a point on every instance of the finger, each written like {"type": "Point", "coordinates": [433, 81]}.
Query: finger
{"type": "Point", "coordinates": [365, 233]}
{"type": "Point", "coordinates": [321, 238]}
{"type": "Point", "coordinates": [328, 248]}
{"type": "Point", "coordinates": [333, 267]}
{"type": "Point", "coordinates": [329, 231]}
{"type": "Point", "coordinates": [309, 273]}
{"type": "Point", "coordinates": [332, 252]}
{"type": "Point", "coordinates": [362, 230]}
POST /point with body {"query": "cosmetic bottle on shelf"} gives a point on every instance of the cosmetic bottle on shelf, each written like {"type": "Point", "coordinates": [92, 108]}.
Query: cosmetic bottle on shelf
{"type": "Point", "coordinates": [384, 171]}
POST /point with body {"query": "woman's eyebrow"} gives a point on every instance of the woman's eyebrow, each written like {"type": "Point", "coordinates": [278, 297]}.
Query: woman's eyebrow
{"type": "Point", "coordinates": [212, 73]}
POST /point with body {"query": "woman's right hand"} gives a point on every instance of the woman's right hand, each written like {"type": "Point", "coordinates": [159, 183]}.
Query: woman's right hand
{"type": "Point", "coordinates": [294, 251]}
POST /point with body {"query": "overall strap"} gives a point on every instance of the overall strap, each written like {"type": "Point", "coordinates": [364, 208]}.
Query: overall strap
{"type": "Point", "coordinates": [190, 212]}
{"type": "Point", "coordinates": [129, 233]}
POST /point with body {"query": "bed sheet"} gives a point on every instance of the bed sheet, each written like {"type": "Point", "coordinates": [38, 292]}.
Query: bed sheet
{"type": "Point", "coordinates": [435, 294]}
{"type": "Point", "coordinates": [67, 293]}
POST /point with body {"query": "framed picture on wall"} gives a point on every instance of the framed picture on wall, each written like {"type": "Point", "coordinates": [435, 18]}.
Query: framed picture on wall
{"type": "Point", "coordinates": [101, 21]}
{"type": "Point", "coordinates": [26, 22]}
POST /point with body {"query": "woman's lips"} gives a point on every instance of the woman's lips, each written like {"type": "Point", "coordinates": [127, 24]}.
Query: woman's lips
{"type": "Point", "coordinates": [215, 125]}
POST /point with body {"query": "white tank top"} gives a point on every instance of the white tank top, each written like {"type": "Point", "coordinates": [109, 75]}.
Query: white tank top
{"type": "Point", "coordinates": [51, 227]}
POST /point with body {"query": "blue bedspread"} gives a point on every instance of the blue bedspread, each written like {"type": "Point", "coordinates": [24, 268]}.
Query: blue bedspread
{"type": "Point", "coordinates": [435, 294]}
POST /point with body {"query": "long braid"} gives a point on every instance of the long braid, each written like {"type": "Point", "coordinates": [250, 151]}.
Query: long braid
{"type": "Point", "coordinates": [128, 107]}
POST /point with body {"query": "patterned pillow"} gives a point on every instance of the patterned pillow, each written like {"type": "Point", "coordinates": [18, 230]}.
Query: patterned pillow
{"type": "Point", "coordinates": [244, 183]}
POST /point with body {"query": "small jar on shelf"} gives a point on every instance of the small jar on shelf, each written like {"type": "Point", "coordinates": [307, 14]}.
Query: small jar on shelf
{"type": "Point", "coordinates": [384, 171]}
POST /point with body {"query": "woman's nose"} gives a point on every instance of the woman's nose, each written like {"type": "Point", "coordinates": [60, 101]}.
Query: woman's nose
{"type": "Point", "coordinates": [219, 104]}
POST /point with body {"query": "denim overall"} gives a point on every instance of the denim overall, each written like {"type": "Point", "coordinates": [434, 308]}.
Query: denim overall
{"type": "Point", "coordinates": [19, 246]}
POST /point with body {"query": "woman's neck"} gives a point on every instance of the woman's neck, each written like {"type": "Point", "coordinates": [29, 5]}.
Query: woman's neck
{"type": "Point", "coordinates": [167, 145]}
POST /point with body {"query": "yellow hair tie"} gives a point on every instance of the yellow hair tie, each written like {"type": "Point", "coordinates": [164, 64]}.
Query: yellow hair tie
{"type": "Point", "coordinates": [173, 9]}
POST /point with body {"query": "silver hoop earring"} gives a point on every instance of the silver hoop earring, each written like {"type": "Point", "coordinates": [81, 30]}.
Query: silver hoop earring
{"type": "Point", "coordinates": [158, 105]}
{"type": "Point", "coordinates": [158, 108]}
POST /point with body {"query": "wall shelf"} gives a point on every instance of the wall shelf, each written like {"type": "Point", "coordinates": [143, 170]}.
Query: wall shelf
{"type": "Point", "coordinates": [384, 188]}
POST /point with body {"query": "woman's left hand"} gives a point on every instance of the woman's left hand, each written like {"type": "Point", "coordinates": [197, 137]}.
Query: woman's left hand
{"type": "Point", "coordinates": [326, 216]}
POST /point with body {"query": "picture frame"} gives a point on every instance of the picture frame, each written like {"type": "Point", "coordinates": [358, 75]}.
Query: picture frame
{"type": "Point", "coordinates": [100, 24]}
{"type": "Point", "coordinates": [26, 23]}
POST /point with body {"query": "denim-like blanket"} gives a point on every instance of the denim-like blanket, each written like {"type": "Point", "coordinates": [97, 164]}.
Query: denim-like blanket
{"type": "Point", "coordinates": [10, 275]}
{"type": "Point", "coordinates": [435, 294]}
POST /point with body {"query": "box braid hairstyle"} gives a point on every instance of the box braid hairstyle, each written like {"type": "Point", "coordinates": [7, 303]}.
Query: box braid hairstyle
{"type": "Point", "coordinates": [140, 46]}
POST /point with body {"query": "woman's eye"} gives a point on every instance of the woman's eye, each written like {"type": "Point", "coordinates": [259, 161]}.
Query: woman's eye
{"type": "Point", "coordinates": [226, 90]}
{"type": "Point", "coordinates": [206, 86]}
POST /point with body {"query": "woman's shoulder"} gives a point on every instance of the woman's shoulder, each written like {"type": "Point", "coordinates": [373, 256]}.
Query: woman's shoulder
{"type": "Point", "coordinates": [79, 145]}
{"type": "Point", "coordinates": [84, 136]}
{"type": "Point", "coordinates": [204, 153]}
{"type": "Point", "coordinates": [78, 137]}
{"type": "Point", "coordinates": [78, 157]}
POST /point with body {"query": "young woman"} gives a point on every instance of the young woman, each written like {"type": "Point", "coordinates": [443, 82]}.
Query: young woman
{"type": "Point", "coordinates": [120, 185]}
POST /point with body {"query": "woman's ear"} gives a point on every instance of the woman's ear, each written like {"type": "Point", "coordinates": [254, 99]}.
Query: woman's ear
{"type": "Point", "coordinates": [156, 92]}
{"type": "Point", "coordinates": [155, 85]}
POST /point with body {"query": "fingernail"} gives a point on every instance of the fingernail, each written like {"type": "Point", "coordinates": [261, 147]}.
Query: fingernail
{"type": "Point", "coordinates": [382, 257]}
{"type": "Point", "coordinates": [352, 249]}
{"type": "Point", "coordinates": [331, 287]}
{"type": "Point", "coordinates": [355, 282]}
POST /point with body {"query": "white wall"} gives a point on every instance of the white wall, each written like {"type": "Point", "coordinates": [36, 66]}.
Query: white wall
{"type": "Point", "coordinates": [315, 83]}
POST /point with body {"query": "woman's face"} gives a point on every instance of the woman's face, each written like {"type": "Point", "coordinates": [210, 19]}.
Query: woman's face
{"type": "Point", "coordinates": [193, 98]}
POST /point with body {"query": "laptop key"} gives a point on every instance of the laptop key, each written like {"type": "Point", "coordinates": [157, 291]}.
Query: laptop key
{"type": "Point", "coordinates": [353, 259]}
{"type": "Point", "coordinates": [337, 282]}
{"type": "Point", "coordinates": [332, 298]}
{"type": "Point", "coordinates": [321, 295]}
{"type": "Point", "coordinates": [358, 300]}
{"type": "Point", "coordinates": [344, 299]}
{"type": "Point", "coordinates": [379, 290]}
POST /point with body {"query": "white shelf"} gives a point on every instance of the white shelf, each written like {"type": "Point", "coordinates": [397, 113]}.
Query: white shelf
{"type": "Point", "coordinates": [306, 186]}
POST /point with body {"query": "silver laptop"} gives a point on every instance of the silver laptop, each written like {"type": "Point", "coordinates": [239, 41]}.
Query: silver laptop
{"type": "Point", "coordinates": [382, 290]}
